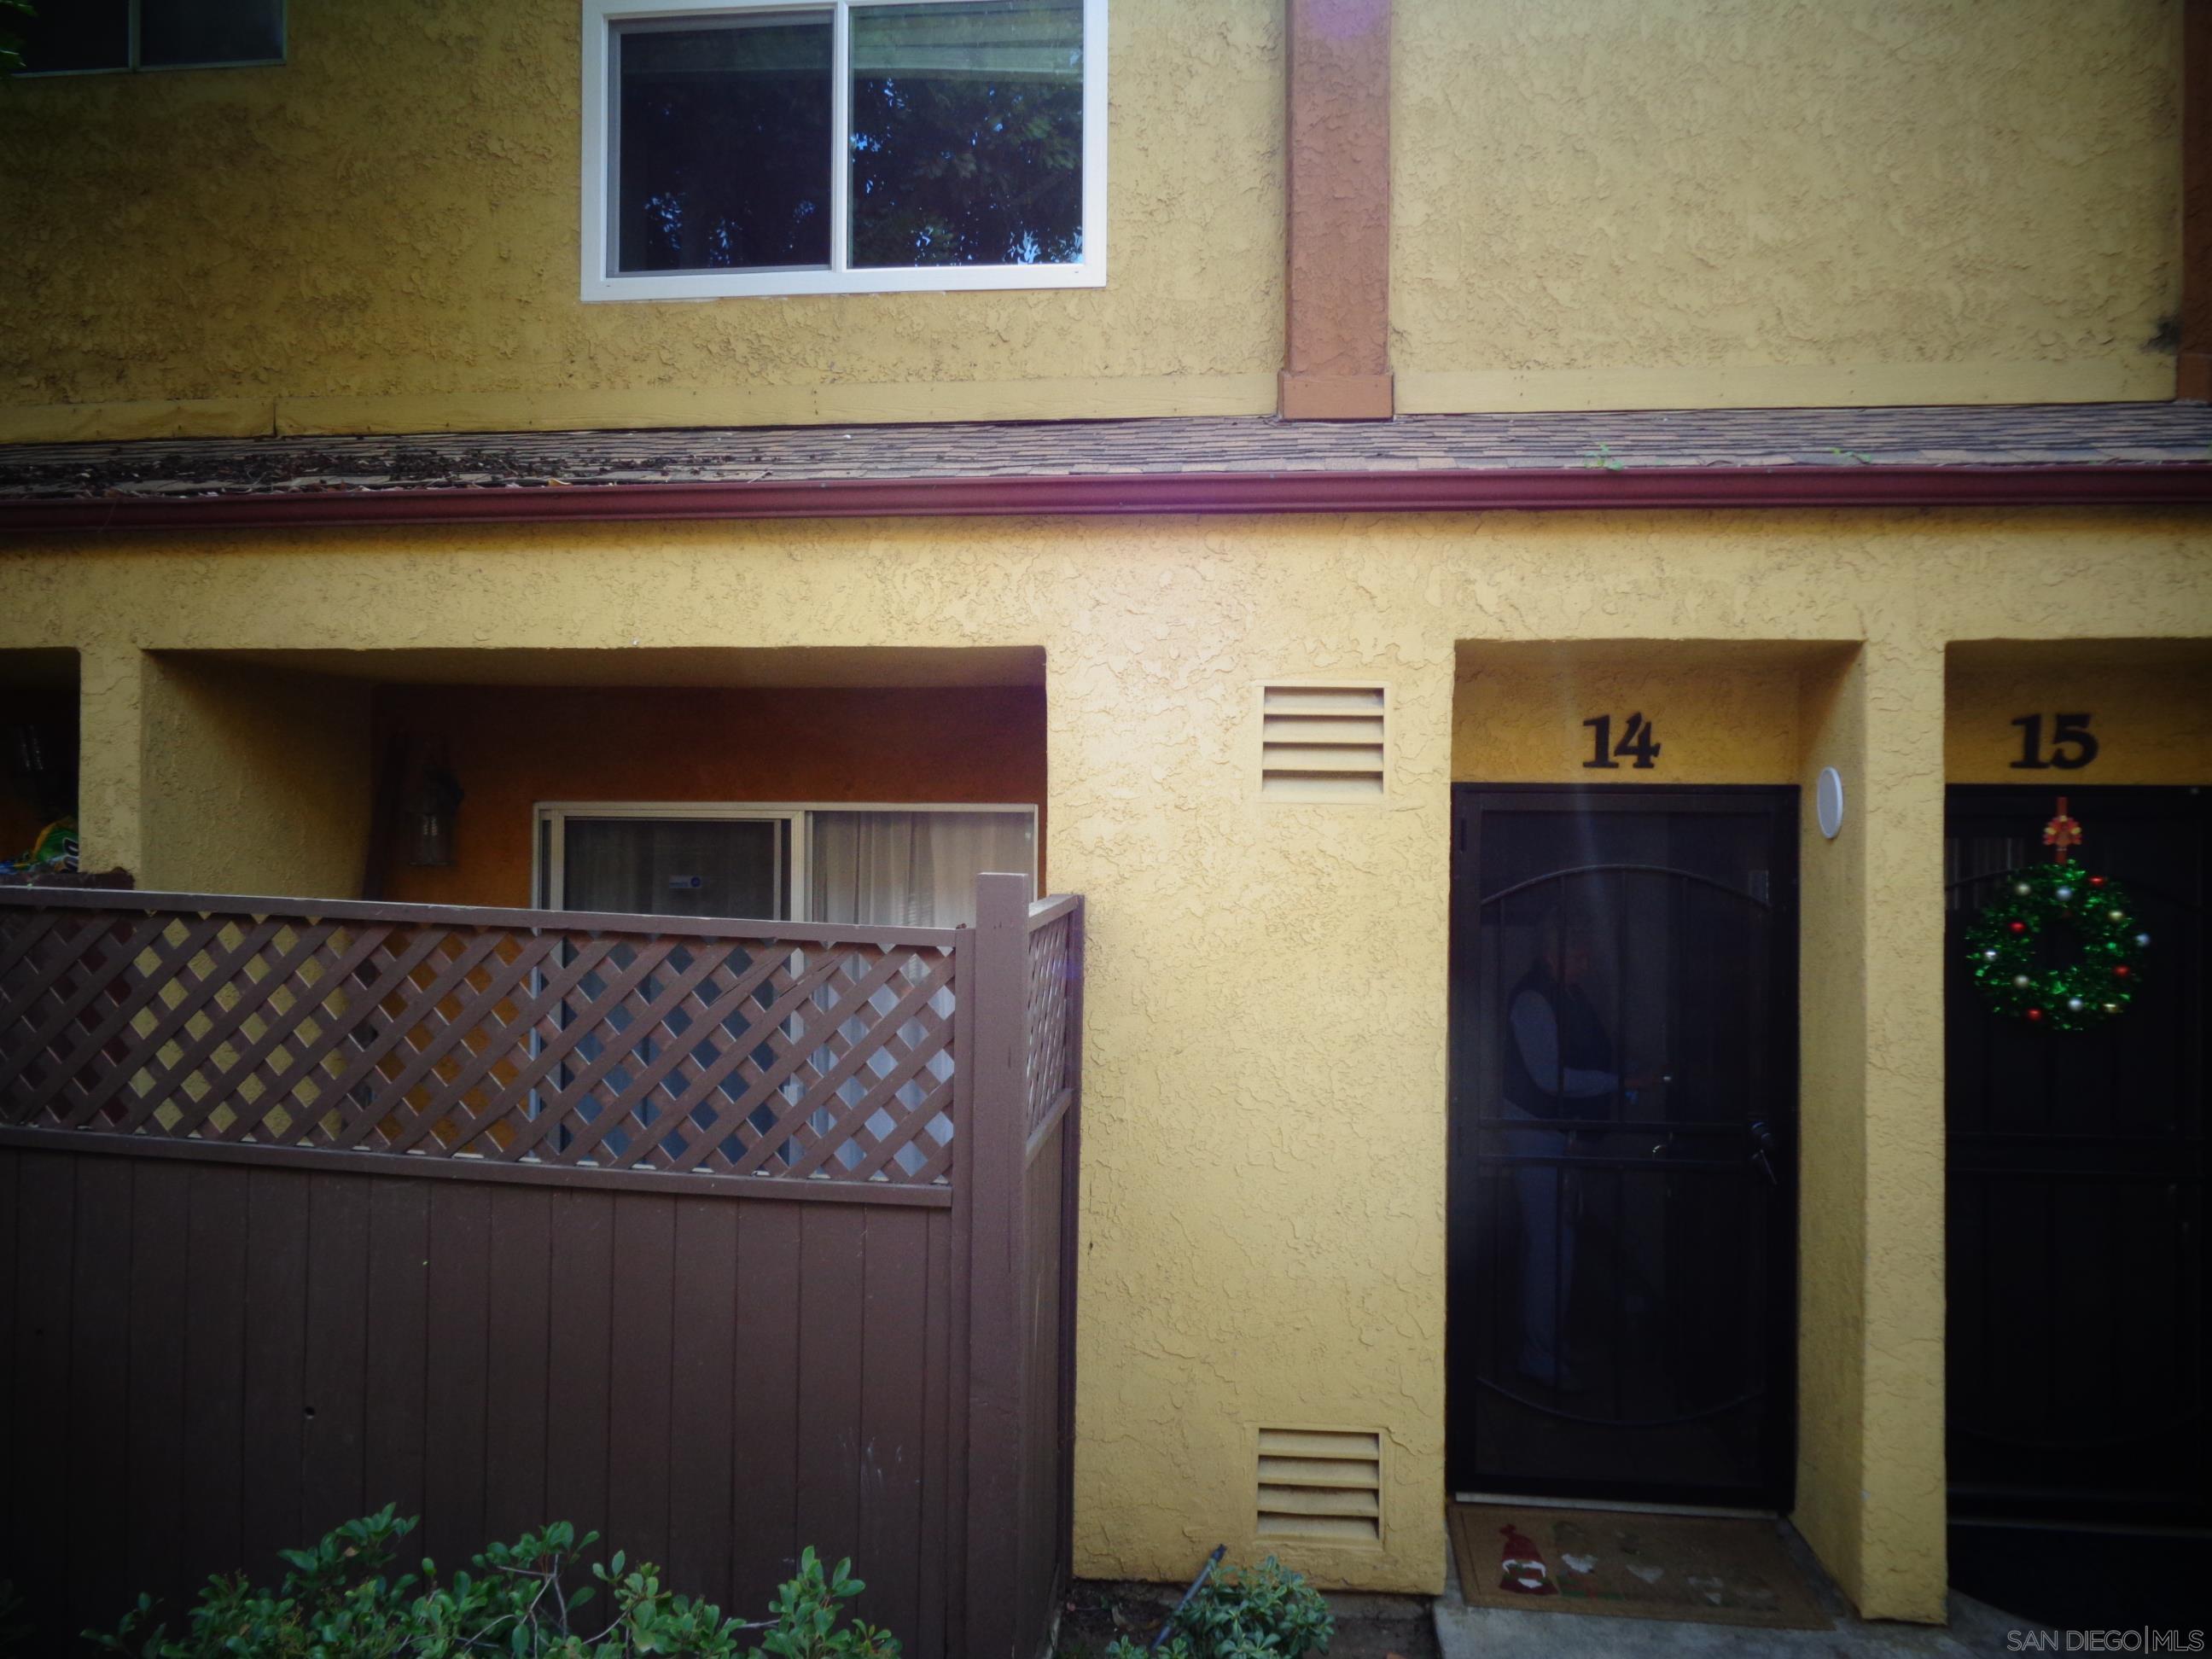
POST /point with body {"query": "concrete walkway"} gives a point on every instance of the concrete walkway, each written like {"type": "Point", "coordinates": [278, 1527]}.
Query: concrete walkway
{"type": "Point", "coordinates": [1472, 1633]}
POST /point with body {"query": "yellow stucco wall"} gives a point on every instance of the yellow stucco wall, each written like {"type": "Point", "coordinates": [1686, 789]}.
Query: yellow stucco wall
{"type": "Point", "coordinates": [1620, 202]}
{"type": "Point", "coordinates": [1263, 1188]}
{"type": "Point", "coordinates": [1718, 714]}
{"type": "Point", "coordinates": [1682, 202]}
{"type": "Point", "coordinates": [253, 781]}
{"type": "Point", "coordinates": [381, 234]}
{"type": "Point", "coordinates": [2149, 703]}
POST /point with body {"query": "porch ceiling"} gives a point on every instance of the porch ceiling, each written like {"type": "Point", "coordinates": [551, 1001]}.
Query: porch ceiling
{"type": "Point", "coordinates": [803, 667]}
{"type": "Point", "coordinates": [1987, 455]}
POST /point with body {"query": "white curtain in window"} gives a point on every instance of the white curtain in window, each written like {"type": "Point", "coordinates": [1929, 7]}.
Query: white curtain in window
{"type": "Point", "coordinates": [911, 869]}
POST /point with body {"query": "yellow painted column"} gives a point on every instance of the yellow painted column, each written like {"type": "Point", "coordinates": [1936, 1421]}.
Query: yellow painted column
{"type": "Point", "coordinates": [207, 776]}
{"type": "Point", "coordinates": [111, 758]}
{"type": "Point", "coordinates": [255, 781]}
{"type": "Point", "coordinates": [1870, 1483]}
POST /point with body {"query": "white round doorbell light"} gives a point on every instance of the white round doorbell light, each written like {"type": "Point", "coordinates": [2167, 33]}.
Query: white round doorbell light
{"type": "Point", "coordinates": [1828, 801]}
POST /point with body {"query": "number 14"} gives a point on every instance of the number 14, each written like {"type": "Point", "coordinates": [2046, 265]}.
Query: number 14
{"type": "Point", "coordinates": [1637, 739]}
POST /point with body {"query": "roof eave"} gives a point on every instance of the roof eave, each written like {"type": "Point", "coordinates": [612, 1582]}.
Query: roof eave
{"type": "Point", "coordinates": [1436, 491]}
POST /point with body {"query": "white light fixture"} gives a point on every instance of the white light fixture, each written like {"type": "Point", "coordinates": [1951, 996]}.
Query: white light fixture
{"type": "Point", "coordinates": [1828, 801]}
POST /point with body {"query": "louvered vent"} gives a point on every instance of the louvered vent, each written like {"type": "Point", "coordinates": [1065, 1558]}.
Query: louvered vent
{"type": "Point", "coordinates": [1320, 743]}
{"type": "Point", "coordinates": [1322, 1484]}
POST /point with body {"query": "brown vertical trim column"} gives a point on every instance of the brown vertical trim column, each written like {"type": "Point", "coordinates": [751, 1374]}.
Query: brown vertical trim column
{"type": "Point", "coordinates": [1337, 141]}
{"type": "Point", "coordinates": [2193, 376]}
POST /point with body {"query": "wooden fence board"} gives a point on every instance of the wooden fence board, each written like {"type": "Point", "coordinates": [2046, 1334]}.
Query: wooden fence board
{"type": "Point", "coordinates": [896, 1315]}
{"type": "Point", "coordinates": [518, 1342]}
{"type": "Point", "coordinates": [832, 1351]}
{"type": "Point", "coordinates": [702, 1496]}
{"type": "Point", "coordinates": [46, 1240]}
{"type": "Point", "coordinates": [457, 1399]}
{"type": "Point", "coordinates": [98, 1414]}
{"type": "Point", "coordinates": [10, 1221]}
{"type": "Point", "coordinates": [276, 1363]}
{"type": "Point", "coordinates": [160, 1290]}
{"type": "Point", "coordinates": [397, 1366]}
{"type": "Point", "coordinates": [333, 1485]}
{"type": "Point", "coordinates": [215, 1450]}
{"type": "Point", "coordinates": [935, 1507]}
{"type": "Point", "coordinates": [638, 1397]}
{"type": "Point", "coordinates": [579, 1431]}
{"type": "Point", "coordinates": [764, 1402]}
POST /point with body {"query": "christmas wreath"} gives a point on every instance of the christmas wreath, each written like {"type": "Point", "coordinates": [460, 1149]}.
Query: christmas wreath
{"type": "Point", "coordinates": [2012, 943]}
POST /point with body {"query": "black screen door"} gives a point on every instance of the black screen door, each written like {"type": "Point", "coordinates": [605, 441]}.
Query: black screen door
{"type": "Point", "coordinates": [2076, 1384]}
{"type": "Point", "coordinates": [1623, 1153]}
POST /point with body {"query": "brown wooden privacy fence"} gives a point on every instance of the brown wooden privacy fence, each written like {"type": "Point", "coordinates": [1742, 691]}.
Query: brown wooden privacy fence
{"type": "Point", "coordinates": [722, 1237]}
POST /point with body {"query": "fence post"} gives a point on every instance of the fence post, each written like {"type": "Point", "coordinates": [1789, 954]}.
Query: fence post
{"type": "Point", "coordinates": [997, 1128]}
{"type": "Point", "coordinates": [1071, 1212]}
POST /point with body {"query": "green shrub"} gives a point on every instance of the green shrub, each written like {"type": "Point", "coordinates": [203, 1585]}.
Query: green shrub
{"type": "Point", "coordinates": [13, 1630]}
{"type": "Point", "coordinates": [338, 1601]}
{"type": "Point", "coordinates": [1265, 1612]}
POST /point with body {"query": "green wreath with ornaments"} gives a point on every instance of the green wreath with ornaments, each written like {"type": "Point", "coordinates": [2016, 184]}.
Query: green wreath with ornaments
{"type": "Point", "coordinates": [2008, 944]}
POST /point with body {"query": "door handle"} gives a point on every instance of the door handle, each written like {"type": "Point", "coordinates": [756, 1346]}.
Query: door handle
{"type": "Point", "coordinates": [1763, 1148]}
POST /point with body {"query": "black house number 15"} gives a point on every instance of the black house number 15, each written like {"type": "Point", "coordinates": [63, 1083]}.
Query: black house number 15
{"type": "Point", "coordinates": [1637, 739]}
{"type": "Point", "coordinates": [2072, 746]}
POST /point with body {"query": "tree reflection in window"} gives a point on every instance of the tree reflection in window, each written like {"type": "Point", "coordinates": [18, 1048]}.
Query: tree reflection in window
{"type": "Point", "coordinates": [967, 134]}
{"type": "Point", "coordinates": [724, 145]}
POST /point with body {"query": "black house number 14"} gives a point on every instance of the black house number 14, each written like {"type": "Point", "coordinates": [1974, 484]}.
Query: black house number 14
{"type": "Point", "coordinates": [1637, 739]}
{"type": "Point", "coordinates": [2072, 746]}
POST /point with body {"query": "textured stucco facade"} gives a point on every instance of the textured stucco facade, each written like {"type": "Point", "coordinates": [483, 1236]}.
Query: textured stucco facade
{"type": "Point", "coordinates": [1263, 1204]}
{"type": "Point", "coordinates": [1671, 203]}
{"type": "Point", "coordinates": [1610, 204]}
{"type": "Point", "coordinates": [390, 244]}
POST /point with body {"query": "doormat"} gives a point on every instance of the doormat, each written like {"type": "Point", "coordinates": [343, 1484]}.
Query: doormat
{"type": "Point", "coordinates": [1714, 1571]}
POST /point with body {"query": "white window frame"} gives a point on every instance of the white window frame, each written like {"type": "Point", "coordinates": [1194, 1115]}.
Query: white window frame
{"type": "Point", "coordinates": [548, 876]}
{"type": "Point", "coordinates": [600, 242]}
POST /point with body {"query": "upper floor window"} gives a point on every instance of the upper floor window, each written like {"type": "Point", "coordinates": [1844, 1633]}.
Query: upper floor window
{"type": "Point", "coordinates": [70, 37]}
{"type": "Point", "coordinates": [735, 146]}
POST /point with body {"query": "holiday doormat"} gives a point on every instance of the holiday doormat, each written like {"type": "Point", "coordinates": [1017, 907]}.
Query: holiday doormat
{"type": "Point", "coordinates": [1633, 1566]}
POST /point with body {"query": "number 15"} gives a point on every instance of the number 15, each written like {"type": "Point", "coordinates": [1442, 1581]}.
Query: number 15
{"type": "Point", "coordinates": [2072, 746]}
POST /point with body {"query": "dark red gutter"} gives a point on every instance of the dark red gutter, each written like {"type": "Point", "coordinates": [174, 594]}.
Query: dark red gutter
{"type": "Point", "coordinates": [1528, 490]}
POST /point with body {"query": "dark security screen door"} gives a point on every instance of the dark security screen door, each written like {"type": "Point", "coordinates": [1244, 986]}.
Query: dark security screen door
{"type": "Point", "coordinates": [1623, 1147]}
{"type": "Point", "coordinates": [2076, 1383]}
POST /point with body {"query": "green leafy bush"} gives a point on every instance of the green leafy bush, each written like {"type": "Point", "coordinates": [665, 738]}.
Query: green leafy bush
{"type": "Point", "coordinates": [1265, 1612]}
{"type": "Point", "coordinates": [339, 1600]}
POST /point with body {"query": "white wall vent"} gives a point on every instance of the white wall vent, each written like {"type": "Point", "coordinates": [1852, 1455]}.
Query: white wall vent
{"type": "Point", "coordinates": [1320, 1483]}
{"type": "Point", "coordinates": [1321, 743]}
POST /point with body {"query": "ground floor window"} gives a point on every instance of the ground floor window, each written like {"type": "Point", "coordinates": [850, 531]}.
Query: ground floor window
{"type": "Point", "coordinates": [897, 865]}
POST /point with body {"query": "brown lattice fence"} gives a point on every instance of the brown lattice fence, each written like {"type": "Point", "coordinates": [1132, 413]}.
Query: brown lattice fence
{"type": "Point", "coordinates": [317, 1205]}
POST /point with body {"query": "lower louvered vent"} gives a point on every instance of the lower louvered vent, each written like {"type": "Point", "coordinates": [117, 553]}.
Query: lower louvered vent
{"type": "Point", "coordinates": [1322, 1484]}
